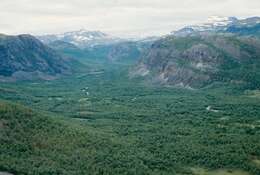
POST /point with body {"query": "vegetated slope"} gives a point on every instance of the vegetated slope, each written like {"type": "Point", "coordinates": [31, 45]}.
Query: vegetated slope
{"type": "Point", "coordinates": [68, 50]}
{"type": "Point", "coordinates": [123, 52]}
{"type": "Point", "coordinates": [125, 128]}
{"type": "Point", "coordinates": [32, 143]}
{"type": "Point", "coordinates": [64, 47]}
{"type": "Point", "coordinates": [25, 57]}
{"type": "Point", "coordinates": [198, 60]}
{"type": "Point", "coordinates": [97, 46]}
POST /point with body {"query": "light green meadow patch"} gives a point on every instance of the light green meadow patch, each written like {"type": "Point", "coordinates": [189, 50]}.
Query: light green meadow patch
{"type": "Point", "coordinates": [5, 173]}
{"type": "Point", "coordinates": [83, 100]}
{"type": "Point", "coordinates": [256, 162]}
{"type": "Point", "coordinates": [202, 171]}
{"type": "Point", "coordinates": [253, 94]}
{"type": "Point", "coordinates": [85, 113]}
{"type": "Point", "coordinates": [245, 125]}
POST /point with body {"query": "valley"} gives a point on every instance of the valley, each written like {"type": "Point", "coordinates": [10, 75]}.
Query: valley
{"type": "Point", "coordinates": [127, 126]}
{"type": "Point", "coordinates": [90, 103]}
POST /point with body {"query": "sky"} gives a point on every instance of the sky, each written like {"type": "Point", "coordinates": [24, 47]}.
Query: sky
{"type": "Point", "coordinates": [125, 18]}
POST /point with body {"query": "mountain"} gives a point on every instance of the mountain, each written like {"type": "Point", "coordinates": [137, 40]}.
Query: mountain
{"type": "Point", "coordinates": [98, 46]}
{"type": "Point", "coordinates": [199, 60]}
{"type": "Point", "coordinates": [81, 38]}
{"type": "Point", "coordinates": [62, 45]}
{"type": "Point", "coordinates": [247, 26]}
{"type": "Point", "coordinates": [25, 57]}
{"type": "Point", "coordinates": [67, 49]}
{"type": "Point", "coordinates": [213, 23]}
{"type": "Point", "coordinates": [121, 52]}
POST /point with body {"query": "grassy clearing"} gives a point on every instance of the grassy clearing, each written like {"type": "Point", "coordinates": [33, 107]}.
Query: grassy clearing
{"type": "Point", "coordinates": [5, 173]}
{"type": "Point", "coordinates": [253, 94]}
{"type": "Point", "coordinates": [201, 171]}
{"type": "Point", "coordinates": [256, 162]}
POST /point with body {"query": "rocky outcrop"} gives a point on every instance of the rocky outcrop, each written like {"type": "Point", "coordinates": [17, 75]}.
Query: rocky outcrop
{"type": "Point", "coordinates": [196, 61]}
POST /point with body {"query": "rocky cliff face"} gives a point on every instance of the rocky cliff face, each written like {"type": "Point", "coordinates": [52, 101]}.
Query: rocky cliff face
{"type": "Point", "coordinates": [196, 61]}
{"type": "Point", "coordinates": [25, 57]}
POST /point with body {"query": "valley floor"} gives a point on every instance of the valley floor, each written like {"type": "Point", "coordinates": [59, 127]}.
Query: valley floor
{"type": "Point", "coordinates": [104, 123]}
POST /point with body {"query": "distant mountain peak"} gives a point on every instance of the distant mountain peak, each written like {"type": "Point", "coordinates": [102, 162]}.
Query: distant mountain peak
{"type": "Point", "coordinates": [215, 24]}
{"type": "Point", "coordinates": [221, 20]}
{"type": "Point", "coordinates": [86, 32]}
{"type": "Point", "coordinates": [81, 38]}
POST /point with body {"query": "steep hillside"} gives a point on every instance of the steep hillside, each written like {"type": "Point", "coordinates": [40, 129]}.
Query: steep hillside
{"type": "Point", "coordinates": [198, 60]}
{"type": "Point", "coordinates": [253, 30]}
{"type": "Point", "coordinates": [67, 49]}
{"type": "Point", "coordinates": [25, 57]}
{"type": "Point", "coordinates": [123, 52]}
{"type": "Point", "coordinates": [32, 143]}
{"type": "Point", "coordinates": [97, 46]}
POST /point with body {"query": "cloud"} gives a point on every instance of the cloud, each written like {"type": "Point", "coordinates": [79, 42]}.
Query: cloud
{"type": "Point", "coordinates": [121, 17]}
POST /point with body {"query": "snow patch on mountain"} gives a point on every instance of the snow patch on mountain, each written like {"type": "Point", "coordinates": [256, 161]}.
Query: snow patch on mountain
{"type": "Point", "coordinates": [213, 23]}
{"type": "Point", "coordinates": [81, 38]}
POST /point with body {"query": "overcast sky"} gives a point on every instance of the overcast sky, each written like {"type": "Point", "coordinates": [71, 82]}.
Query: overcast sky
{"type": "Point", "coordinates": [118, 17]}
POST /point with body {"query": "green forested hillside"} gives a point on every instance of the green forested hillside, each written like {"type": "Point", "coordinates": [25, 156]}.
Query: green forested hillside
{"type": "Point", "coordinates": [32, 143]}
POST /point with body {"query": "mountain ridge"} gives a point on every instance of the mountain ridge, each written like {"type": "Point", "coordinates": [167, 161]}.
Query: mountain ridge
{"type": "Point", "coordinates": [219, 24]}
{"type": "Point", "coordinates": [81, 38]}
{"type": "Point", "coordinates": [23, 57]}
{"type": "Point", "coordinates": [199, 60]}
